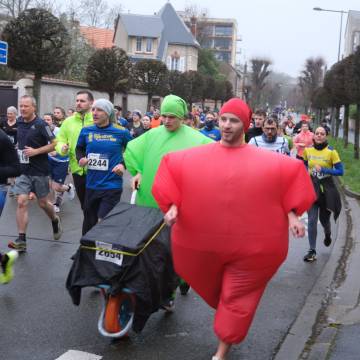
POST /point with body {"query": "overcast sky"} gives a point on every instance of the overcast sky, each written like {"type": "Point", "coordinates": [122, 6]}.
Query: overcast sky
{"type": "Point", "coordinates": [285, 31]}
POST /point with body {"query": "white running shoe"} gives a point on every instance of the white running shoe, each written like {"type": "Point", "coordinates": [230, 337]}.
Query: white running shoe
{"type": "Point", "coordinates": [71, 192]}
{"type": "Point", "coordinates": [56, 209]}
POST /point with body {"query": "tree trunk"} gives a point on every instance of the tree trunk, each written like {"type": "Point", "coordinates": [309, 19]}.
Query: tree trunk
{"type": "Point", "coordinates": [346, 125]}
{"type": "Point", "coordinates": [357, 133]}
{"type": "Point", "coordinates": [36, 91]}
{"type": "Point", "coordinates": [337, 121]}
{"type": "Point", "coordinates": [111, 97]}
{"type": "Point", "coordinates": [332, 122]}
{"type": "Point", "coordinates": [149, 102]}
{"type": "Point", "coordinates": [320, 116]}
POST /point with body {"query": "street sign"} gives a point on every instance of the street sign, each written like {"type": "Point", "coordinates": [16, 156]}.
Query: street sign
{"type": "Point", "coordinates": [3, 52]}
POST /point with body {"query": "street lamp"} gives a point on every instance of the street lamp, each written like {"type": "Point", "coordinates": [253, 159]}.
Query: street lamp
{"type": "Point", "coordinates": [341, 18]}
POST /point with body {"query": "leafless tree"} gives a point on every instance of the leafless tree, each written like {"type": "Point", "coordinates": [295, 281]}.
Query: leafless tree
{"type": "Point", "coordinates": [13, 8]}
{"type": "Point", "coordinates": [98, 13]}
{"type": "Point", "coordinates": [311, 78]}
{"type": "Point", "coordinates": [260, 71]}
{"type": "Point", "coordinates": [197, 17]}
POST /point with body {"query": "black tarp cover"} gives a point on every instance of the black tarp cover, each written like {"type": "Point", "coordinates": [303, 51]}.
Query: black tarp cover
{"type": "Point", "coordinates": [150, 275]}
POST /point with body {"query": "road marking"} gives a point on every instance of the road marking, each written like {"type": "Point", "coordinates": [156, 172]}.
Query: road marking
{"type": "Point", "coordinates": [78, 355]}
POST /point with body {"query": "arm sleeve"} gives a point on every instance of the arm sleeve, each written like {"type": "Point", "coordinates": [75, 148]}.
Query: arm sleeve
{"type": "Point", "coordinates": [10, 166]}
{"type": "Point", "coordinates": [134, 154]}
{"type": "Point", "coordinates": [299, 194]}
{"type": "Point", "coordinates": [47, 133]}
{"type": "Point", "coordinates": [81, 146]}
{"type": "Point", "coordinates": [337, 170]}
{"type": "Point", "coordinates": [165, 188]}
{"type": "Point", "coordinates": [127, 137]}
{"type": "Point", "coordinates": [252, 141]}
{"type": "Point", "coordinates": [297, 140]}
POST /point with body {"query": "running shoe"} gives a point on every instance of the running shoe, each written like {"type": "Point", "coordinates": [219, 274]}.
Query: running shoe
{"type": "Point", "coordinates": [71, 192]}
{"type": "Point", "coordinates": [184, 287]}
{"type": "Point", "coordinates": [57, 228]}
{"type": "Point", "coordinates": [327, 240]}
{"type": "Point", "coordinates": [168, 306]}
{"type": "Point", "coordinates": [56, 208]}
{"type": "Point", "coordinates": [19, 245]}
{"type": "Point", "coordinates": [310, 256]}
{"type": "Point", "coordinates": [7, 263]}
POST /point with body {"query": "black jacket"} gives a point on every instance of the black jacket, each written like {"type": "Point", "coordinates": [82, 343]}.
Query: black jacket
{"type": "Point", "coordinates": [327, 194]}
{"type": "Point", "coordinates": [9, 162]}
{"type": "Point", "coordinates": [252, 133]}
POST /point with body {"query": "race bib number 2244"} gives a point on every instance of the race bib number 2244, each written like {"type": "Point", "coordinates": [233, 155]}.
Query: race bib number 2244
{"type": "Point", "coordinates": [97, 162]}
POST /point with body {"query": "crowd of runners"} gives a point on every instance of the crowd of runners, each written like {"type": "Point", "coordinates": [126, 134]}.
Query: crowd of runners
{"type": "Point", "coordinates": [46, 158]}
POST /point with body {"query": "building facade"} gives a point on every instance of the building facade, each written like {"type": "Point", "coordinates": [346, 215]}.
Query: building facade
{"type": "Point", "coordinates": [352, 32]}
{"type": "Point", "coordinates": [162, 36]}
{"type": "Point", "coordinates": [216, 34]}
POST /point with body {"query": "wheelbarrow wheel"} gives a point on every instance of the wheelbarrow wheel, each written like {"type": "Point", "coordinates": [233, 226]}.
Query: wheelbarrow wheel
{"type": "Point", "coordinates": [118, 315]}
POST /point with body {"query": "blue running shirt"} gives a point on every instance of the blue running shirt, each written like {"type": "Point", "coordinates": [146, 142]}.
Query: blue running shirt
{"type": "Point", "coordinates": [103, 147]}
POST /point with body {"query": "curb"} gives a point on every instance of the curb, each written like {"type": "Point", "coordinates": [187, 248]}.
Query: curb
{"type": "Point", "coordinates": [345, 189]}
{"type": "Point", "coordinates": [312, 334]}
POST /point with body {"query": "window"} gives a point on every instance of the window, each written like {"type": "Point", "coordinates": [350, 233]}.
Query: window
{"type": "Point", "coordinates": [222, 56]}
{"type": "Point", "coordinates": [356, 40]}
{"type": "Point", "coordinates": [223, 30]}
{"type": "Point", "coordinates": [207, 43]}
{"type": "Point", "coordinates": [138, 43]}
{"type": "Point", "coordinates": [222, 43]}
{"type": "Point", "coordinates": [175, 63]}
{"type": "Point", "coordinates": [148, 45]}
{"type": "Point", "coordinates": [208, 30]}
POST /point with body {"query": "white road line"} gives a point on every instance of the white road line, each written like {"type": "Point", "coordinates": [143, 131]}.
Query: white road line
{"type": "Point", "coordinates": [78, 355]}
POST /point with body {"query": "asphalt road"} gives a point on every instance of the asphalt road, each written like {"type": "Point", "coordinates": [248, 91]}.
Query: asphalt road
{"type": "Point", "coordinates": [39, 321]}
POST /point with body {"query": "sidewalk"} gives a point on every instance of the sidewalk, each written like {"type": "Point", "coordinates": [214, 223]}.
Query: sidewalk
{"type": "Point", "coordinates": [328, 327]}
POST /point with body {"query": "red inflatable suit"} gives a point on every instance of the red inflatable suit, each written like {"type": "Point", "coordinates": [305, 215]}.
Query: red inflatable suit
{"type": "Point", "coordinates": [231, 233]}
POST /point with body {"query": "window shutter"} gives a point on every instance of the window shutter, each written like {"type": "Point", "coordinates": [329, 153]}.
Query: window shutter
{"type": "Point", "coordinates": [168, 62]}
{"type": "Point", "coordinates": [182, 64]}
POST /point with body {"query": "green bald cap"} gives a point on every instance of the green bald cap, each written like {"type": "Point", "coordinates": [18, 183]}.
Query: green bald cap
{"type": "Point", "coordinates": [175, 106]}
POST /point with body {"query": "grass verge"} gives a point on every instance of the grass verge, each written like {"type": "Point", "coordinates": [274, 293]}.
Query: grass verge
{"type": "Point", "coordinates": [351, 177]}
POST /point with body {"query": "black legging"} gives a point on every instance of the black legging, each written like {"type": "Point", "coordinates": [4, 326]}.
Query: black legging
{"type": "Point", "coordinates": [80, 182]}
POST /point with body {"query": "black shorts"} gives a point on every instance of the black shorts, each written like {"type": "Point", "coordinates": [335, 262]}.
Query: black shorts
{"type": "Point", "coordinates": [98, 203]}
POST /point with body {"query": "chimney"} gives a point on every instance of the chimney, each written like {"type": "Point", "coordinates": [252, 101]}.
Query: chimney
{"type": "Point", "coordinates": [193, 26]}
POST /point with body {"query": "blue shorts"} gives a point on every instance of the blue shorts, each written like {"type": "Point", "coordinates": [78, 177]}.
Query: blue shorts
{"type": "Point", "coordinates": [58, 170]}
{"type": "Point", "coordinates": [2, 200]}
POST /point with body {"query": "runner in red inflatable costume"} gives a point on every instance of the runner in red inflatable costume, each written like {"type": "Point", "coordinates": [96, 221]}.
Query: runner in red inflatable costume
{"type": "Point", "coordinates": [231, 205]}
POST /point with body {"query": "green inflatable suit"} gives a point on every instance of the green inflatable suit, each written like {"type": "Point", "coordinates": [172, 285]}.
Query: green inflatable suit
{"type": "Point", "coordinates": [143, 155]}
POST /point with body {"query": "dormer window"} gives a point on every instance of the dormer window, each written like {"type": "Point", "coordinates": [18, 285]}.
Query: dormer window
{"type": "Point", "coordinates": [138, 43]}
{"type": "Point", "coordinates": [175, 61]}
{"type": "Point", "coordinates": [149, 42]}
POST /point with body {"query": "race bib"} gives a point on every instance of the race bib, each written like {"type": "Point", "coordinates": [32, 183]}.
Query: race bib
{"type": "Point", "coordinates": [23, 159]}
{"type": "Point", "coordinates": [97, 162]}
{"type": "Point", "coordinates": [105, 255]}
{"type": "Point", "coordinates": [318, 174]}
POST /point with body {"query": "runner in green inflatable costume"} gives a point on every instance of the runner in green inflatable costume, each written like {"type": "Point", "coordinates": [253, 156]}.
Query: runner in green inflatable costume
{"type": "Point", "coordinates": [143, 154]}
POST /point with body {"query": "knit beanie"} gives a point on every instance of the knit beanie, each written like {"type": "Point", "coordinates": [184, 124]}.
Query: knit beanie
{"type": "Point", "coordinates": [175, 106]}
{"type": "Point", "coordinates": [240, 109]}
{"type": "Point", "coordinates": [106, 106]}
